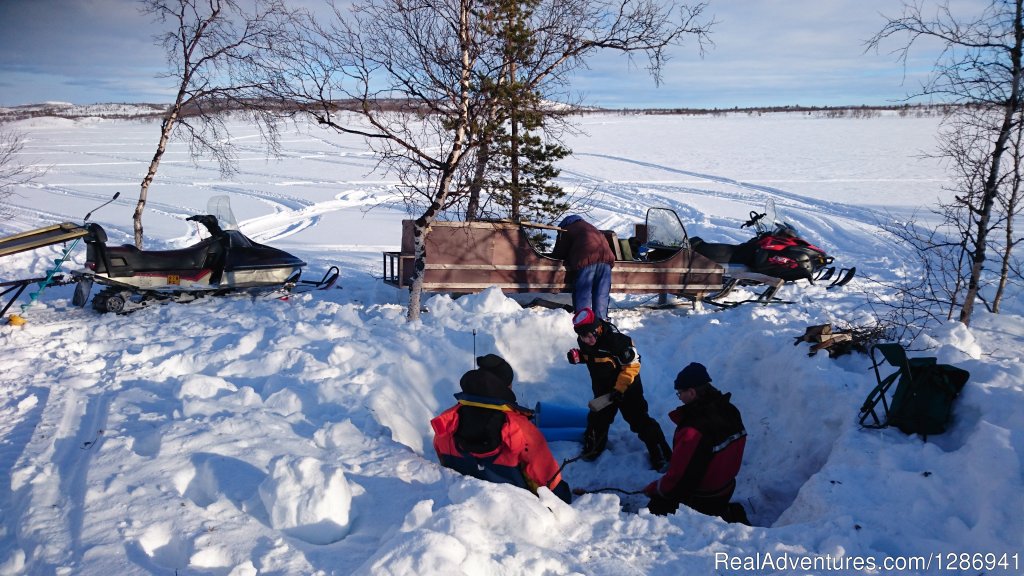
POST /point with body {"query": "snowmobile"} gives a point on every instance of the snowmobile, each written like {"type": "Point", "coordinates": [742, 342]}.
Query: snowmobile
{"type": "Point", "coordinates": [775, 255]}
{"type": "Point", "coordinates": [227, 261]}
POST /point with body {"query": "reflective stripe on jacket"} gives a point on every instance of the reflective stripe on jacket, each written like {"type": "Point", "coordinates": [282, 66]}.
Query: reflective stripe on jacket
{"type": "Point", "coordinates": [613, 361]}
{"type": "Point", "coordinates": [707, 448]}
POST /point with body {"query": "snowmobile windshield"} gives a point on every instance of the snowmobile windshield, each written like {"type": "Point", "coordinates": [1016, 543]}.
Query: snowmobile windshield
{"type": "Point", "coordinates": [664, 230]}
{"type": "Point", "coordinates": [220, 206]}
{"type": "Point", "coordinates": [775, 221]}
{"type": "Point", "coordinates": [771, 215]}
{"type": "Point", "coordinates": [785, 229]}
{"type": "Point", "coordinates": [237, 240]}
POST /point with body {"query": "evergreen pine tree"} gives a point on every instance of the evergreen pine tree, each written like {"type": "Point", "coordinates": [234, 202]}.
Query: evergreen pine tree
{"type": "Point", "coordinates": [520, 163]}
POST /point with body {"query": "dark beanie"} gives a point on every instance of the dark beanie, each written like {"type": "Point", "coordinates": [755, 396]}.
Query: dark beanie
{"type": "Point", "coordinates": [498, 366]}
{"type": "Point", "coordinates": [692, 376]}
{"type": "Point", "coordinates": [570, 220]}
{"type": "Point", "coordinates": [481, 382]}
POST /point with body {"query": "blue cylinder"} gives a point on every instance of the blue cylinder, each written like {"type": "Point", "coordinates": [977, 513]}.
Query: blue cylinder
{"type": "Point", "coordinates": [559, 416]}
{"type": "Point", "coordinates": [563, 434]}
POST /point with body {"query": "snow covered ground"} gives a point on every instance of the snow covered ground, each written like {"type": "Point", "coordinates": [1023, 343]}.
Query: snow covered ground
{"type": "Point", "coordinates": [236, 436]}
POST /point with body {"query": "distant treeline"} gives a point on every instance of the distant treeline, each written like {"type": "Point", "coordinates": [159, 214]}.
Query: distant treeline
{"type": "Point", "coordinates": [151, 111]}
{"type": "Point", "coordinates": [908, 110]}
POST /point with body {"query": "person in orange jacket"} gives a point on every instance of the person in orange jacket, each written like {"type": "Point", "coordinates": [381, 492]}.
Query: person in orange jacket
{"type": "Point", "coordinates": [487, 435]}
{"type": "Point", "coordinates": [707, 449]}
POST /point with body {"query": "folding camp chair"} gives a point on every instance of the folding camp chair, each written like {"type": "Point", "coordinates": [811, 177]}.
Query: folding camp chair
{"type": "Point", "coordinates": [924, 393]}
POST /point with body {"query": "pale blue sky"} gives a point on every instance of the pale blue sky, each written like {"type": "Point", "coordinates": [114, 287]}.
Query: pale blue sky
{"type": "Point", "coordinates": [767, 52]}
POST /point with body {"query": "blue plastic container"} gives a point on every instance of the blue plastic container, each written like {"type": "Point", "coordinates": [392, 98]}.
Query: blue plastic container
{"type": "Point", "coordinates": [559, 416]}
{"type": "Point", "coordinates": [563, 434]}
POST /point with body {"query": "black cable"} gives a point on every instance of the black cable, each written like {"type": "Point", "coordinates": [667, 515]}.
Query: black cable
{"type": "Point", "coordinates": [565, 463]}
{"type": "Point", "coordinates": [581, 491]}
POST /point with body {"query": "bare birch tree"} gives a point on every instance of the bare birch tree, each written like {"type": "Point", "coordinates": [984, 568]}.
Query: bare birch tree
{"type": "Point", "coordinates": [13, 172]}
{"type": "Point", "coordinates": [412, 73]}
{"type": "Point", "coordinates": [217, 53]}
{"type": "Point", "coordinates": [1011, 206]}
{"type": "Point", "coordinates": [405, 69]}
{"type": "Point", "coordinates": [980, 68]}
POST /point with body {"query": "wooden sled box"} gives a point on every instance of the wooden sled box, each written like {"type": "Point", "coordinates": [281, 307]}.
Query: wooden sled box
{"type": "Point", "coordinates": [468, 257]}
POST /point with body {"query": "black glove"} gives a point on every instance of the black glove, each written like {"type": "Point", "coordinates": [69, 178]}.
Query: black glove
{"type": "Point", "coordinates": [573, 356]}
{"type": "Point", "coordinates": [615, 396]}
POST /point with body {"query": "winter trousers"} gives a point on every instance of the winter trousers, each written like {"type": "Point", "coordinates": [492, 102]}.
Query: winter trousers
{"type": "Point", "coordinates": [710, 503]}
{"type": "Point", "coordinates": [592, 288]}
{"type": "Point", "coordinates": [634, 411]}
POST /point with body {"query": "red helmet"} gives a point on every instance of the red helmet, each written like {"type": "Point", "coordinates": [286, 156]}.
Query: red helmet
{"type": "Point", "coordinates": [585, 321]}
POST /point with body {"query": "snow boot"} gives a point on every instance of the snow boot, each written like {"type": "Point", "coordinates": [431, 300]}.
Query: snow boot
{"type": "Point", "coordinates": [658, 450]}
{"type": "Point", "coordinates": [593, 446]}
{"type": "Point", "coordinates": [659, 453]}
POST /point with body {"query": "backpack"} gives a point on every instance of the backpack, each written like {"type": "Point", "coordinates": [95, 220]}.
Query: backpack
{"type": "Point", "coordinates": [922, 404]}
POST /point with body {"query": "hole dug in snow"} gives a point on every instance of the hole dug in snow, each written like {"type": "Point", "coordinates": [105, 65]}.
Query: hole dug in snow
{"type": "Point", "coordinates": [793, 425]}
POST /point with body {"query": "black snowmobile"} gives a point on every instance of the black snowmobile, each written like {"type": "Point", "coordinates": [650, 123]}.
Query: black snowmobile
{"type": "Point", "coordinates": [774, 256]}
{"type": "Point", "coordinates": [226, 261]}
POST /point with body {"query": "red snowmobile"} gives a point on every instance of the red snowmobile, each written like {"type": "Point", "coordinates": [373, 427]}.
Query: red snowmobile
{"type": "Point", "coordinates": [773, 256]}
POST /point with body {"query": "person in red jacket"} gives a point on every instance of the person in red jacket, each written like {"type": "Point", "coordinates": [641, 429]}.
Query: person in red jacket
{"type": "Point", "coordinates": [487, 435]}
{"type": "Point", "coordinates": [707, 449]}
{"type": "Point", "coordinates": [588, 259]}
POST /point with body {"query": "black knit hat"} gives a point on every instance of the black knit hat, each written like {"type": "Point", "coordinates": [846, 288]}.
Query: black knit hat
{"type": "Point", "coordinates": [481, 382]}
{"type": "Point", "coordinates": [498, 366]}
{"type": "Point", "coordinates": [692, 376]}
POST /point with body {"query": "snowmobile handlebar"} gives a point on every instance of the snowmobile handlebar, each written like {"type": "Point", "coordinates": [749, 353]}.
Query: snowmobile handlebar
{"type": "Point", "coordinates": [754, 219]}
{"type": "Point", "coordinates": [208, 220]}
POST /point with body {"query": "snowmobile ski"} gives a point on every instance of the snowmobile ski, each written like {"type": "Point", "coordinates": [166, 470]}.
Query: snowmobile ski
{"type": "Point", "coordinates": [326, 283]}
{"type": "Point", "coordinates": [845, 275]}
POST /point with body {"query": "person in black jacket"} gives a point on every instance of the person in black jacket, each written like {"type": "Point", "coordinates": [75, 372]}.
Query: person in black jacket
{"type": "Point", "coordinates": [614, 367]}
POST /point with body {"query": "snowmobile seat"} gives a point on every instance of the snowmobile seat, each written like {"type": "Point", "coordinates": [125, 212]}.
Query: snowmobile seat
{"type": "Point", "coordinates": [95, 248]}
{"type": "Point", "coordinates": [127, 260]}
{"type": "Point", "coordinates": [720, 253]}
{"type": "Point", "coordinates": [96, 233]}
{"type": "Point", "coordinates": [131, 259]}
{"type": "Point", "coordinates": [724, 253]}
{"type": "Point", "coordinates": [924, 394]}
